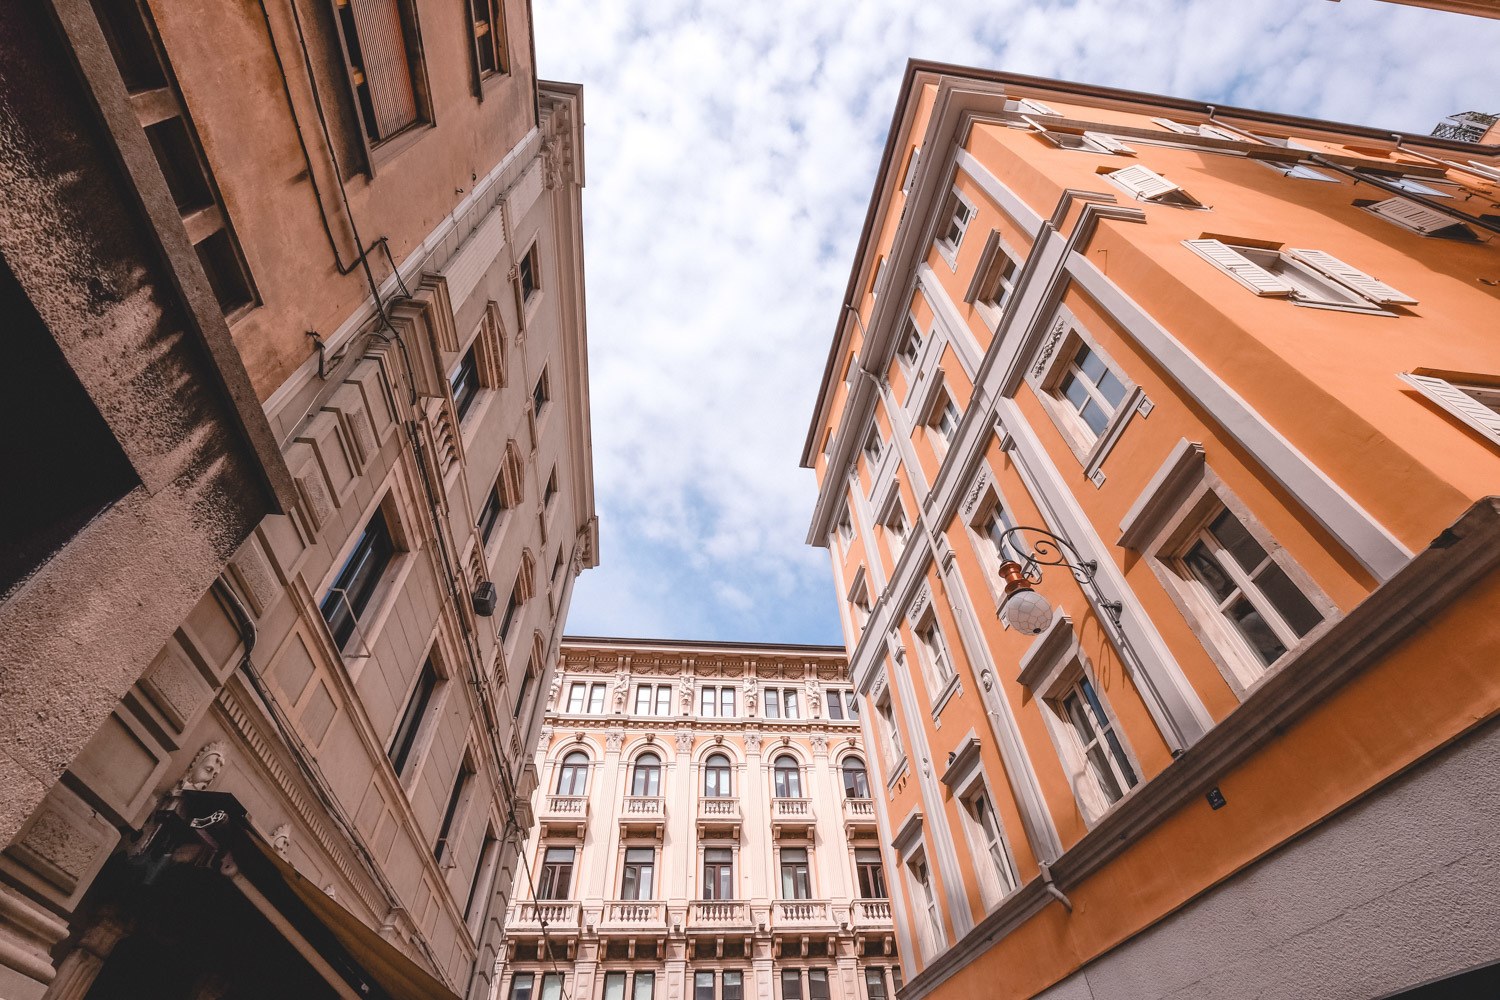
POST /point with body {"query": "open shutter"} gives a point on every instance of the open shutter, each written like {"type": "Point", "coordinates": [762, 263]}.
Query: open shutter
{"type": "Point", "coordinates": [1484, 170]}
{"type": "Point", "coordinates": [1459, 403]}
{"type": "Point", "coordinates": [1172, 126]}
{"type": "Point", "coordinates": [1035, 107]}
{"type": "Point", "coordinates": [1241, 268]}
{"type": "Point", "coordinates": [1411, 215]}
{"type": "Point", "coordinates": [911, 169]}
{"type": "Point", "coordinates": [1108, 143]}
{"type": "Point", "coordinates": [1215, 132]}
{"type": "Point", "coordinates": [1143, 182]}
{"type": "Point", "coordinates": [1371, 288]}
{"type": "Point", "coordinates": [382, 43]}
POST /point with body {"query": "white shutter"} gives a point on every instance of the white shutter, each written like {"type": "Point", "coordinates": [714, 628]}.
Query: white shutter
{"type": "Point", "coordinates": [1143, 182]}
{"type": "Point", "coordinates": [1411, 215]}
{"type": "Point", "coordinates": [1035, 107]}
{"type": "Point", "coordinates": [1371, 288]}
{"type": "Point", "coordinates": [1108, 143]}
{"type": "Point", "coordinates": [911, 169]}
{"type": "Point", "coordinates": [1241, 268]}
{"type": "Point", "coordinates": [1484, 170]}
{"type": "Point", "coordinates": [1459, 403]}
{"type": "Point", "coordinates": [1172, 126]}
{"type": "Point", "coordinates": [1215, 132]}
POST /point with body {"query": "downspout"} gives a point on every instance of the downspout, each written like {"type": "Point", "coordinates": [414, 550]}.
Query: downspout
{"type": "Point", "coordinates": [1050, 884]}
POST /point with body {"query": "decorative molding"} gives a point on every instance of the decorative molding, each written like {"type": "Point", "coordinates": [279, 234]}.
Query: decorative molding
{"type": "Point", "coordinates": [281, 839]}
{"type": "Point", "coordinates": [685, 740]}
{"type": "Point", "coordinates": [820, 743]}
{"type": "Point", "coordinates": [983, 479]}
{"type": "Point", "coordinates": [752, 742]}
{"type": "Point", "coordinates": [1049, 346]}
{"type": "Point", "coordinates": [919, 604]}
{"type": "Point", "coordinates": [205, 769]}
{"type": "Point", "coordinates": [1163, 495]}
{"type": "Point", "coordinates": [613, 740]}
{"type": "Point", "coordinates": [963, 763]}
{"type": "Point", "coordinates": [1046, 652]}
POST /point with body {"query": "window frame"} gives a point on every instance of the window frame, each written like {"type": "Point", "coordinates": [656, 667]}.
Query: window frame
{"type": "Point", "coordinates": [370, 135]}
{"type": "Point", "coordinates": [497, 46]}
{"type": "Point", "coordinates": [551, 873]}
{"type": "Point", "coordinates": [724, 776]}
{"type": "Point", "coordinates": [576, 772]}
{"type": "Point", "coordinates": [948, 247]}
{"type": "Point", "coordinates": [794, 873]}
{"type": "Point", "coordinates": [722, 872]}
{"type": "Point", "coordinates": [1046, 374]}
{"type": "Point", "coordinates": [375, 598]}
{"type": "Point", "coordinates": [406, 749]}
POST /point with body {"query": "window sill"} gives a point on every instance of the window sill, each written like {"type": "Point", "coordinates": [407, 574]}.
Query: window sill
{"type": "Point", "coordinates": [951, 688]}
{"type": "Point", "coordinates": [387, 150]}
{"type": "Point", "coordinates": [897, 774]}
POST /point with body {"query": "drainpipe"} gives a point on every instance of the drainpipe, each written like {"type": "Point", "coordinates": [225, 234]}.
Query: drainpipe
{"type": "Point", "coordinates": [1050, 885]}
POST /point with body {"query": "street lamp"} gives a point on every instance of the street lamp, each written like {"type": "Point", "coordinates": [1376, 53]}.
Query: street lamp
{"type": "Point", "coordinates": [1022, 608]}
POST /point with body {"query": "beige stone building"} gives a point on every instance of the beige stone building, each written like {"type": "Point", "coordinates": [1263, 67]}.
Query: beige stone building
{"type": "Point", "coordinates": [704, 830]}
{"type": "Point", "coordinates": [298, 399]}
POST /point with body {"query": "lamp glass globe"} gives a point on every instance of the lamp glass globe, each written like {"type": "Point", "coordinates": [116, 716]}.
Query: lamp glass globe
{"type": "Point", "coordinates": [1027, 612]}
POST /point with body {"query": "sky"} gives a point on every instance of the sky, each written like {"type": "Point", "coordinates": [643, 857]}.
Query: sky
{"type": "Point", "coordinates": [730, 149]}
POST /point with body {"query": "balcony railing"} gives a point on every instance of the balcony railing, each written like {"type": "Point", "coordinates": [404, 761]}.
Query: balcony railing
{"type": "Point", "coordinates": [859, 810]}
{"type": "Point", "coordinates": [792, 809]}
{"type": "Point", "coordinates": [644, 807]}
{"type": "Point", "coordinates": [872, 911]}
{"type": "Point", "coordinates": [567, 805]}
{"type": "Point", "coordinates": [800, 912]}
{"type": "Point", "coordinates": [557, 914]}
{"type": "Point", "coordinates": [635, 913]}
{"type": "Point", "coordinates": [719, 913]}
{"type": "Point", "coordinates": [719, 808]}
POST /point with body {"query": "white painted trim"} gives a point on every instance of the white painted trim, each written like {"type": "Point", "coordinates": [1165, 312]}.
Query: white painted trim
{"type": "Point", "coordinates": [1163, 495]}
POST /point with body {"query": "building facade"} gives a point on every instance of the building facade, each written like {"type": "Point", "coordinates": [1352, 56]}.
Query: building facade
{"type": "Point", "coordinates": [298, 302]}
{"type": "Point", "coordinates": [704, 831]}
{"type": "Point", "coordinates": [1156, 454]}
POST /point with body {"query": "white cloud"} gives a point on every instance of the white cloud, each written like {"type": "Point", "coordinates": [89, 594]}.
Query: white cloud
{"type": "Point", "coordinates": [730, 152]}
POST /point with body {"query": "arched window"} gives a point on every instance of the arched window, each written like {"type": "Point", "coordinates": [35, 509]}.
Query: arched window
{"type": "Point", "coordinates": [856, 783]}
{"type": "Point", "coordinates": [573, 776]}
{"type": "Point", "coordinates": [787, 778]}
{"type": "Point", "coordinates": [716, 782]}
{"type": "Point", "coordinates": [646, 777]}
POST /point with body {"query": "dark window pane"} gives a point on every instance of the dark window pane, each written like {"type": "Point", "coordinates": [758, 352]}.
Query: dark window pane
{"type": "Point", "coordinates": [1208, 572]}
{"type": "Point", "coordinates": [1255, 630]}
{"type": "Point", "coordinates": [1111, 388]}
{"type": "Point", "coordinates": [411, 719]}
{"type": "Point", "coordinates": [734, 986]}
{"type": "Point", "coordinates": [1289, 602]}
{"type": "Point", "coordinates": [791, 984]}
{"type": "Point", "coordinates": [703, 986]}
{"type": "Point", "coordinates": [1074, 392]}
{"type": "Point", "coordinates": [1233, 536]}
{"type": "Point", "coordinates": [465, 384]}
{"type": "Point", "coordinates": [352, 589]}
{"type": "Point", "coordinates": [1095, 417]}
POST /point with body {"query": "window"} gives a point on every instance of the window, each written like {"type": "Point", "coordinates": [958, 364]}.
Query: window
{"type": "Point", "coordinates": [795, 880]}
{"type": "Point", "coordinates": [781, 703]}
{"type": "Point", "coordinates": [817, 984]}
{"type": "Point", "coordinates": [789, 704]}
{"type": "Point", "coordinates": [1469, 398]}
{"type": "Point", "coordinates": [1097, 749]}
{"type": "Point", "coordinates": [716, 777]}
{"type": "Point", "coordinates": [1090, 391]}
{"type": "Point", "coordinates": [614, 985]}
{"type": "Point", "coordinates": [895, 526]}
{"type": "Point", "coordinates": [645, 777]}
{"type": "Point", "coordinates": [639, 880]}
{"type": "Point", "coordinates": [791, 984]}
{"type": "Point", "coordinates": [874, 448]}
{"type": "Point", "coordinates": [851, 701]}
{"type": "Point", "coordinates": [959, 214]}
{"type": "Point", "coordinates": [552, 984]}
{"type": "Point", "coordinates": [596, 698]}
{"type": "Point", "coordinates": [934, 653]}
{"type": "Point", "coordinates": [871, 873]}
{"type": "Point", "coordinates": [521, 985]}
{"type": "Point", "coordinates": [557, 874]}
{"type": "Point", "coordinates": [540, 394]}
{"type": "Point", "coordinates": [911, 168]}
{"type": "Point", "coordinates": [734, 986]}
{"type": "Point", "coordinates": [786, 778]}
{"type": "Point", "coordinates": [1419, 219]}
{"type": "Point", "coordinates": [835, 696]}
{"type": "Point", "coordinates": [530, 268]}
{"type": "Point", "coordinates": [1428, 187]}
{"type": "Point", "coordinates": [351, 591]}
{"type": "Point", "coordinates": [1299, 171]}
{"type": "Point", "coordinates": [464, 383]}
{"type": "Point", "coordinates": [512, 605]}
{"type": "Point", "coordinates": [483, 880]}
{"type": "Point", "coordinates": [875, 983]}
{"type": "Point", "coordinates": [910, 349]}
{"type": "Point", "coordinates": [875, 281]}
{"type": "Point", "coordinates": [382, 62]}
{"type": "Point", "coordinates": [1000, 876]}
{"type": "Point", "coordinates": [1307, 277]}
{"type": "Point", "coordinates": [491, 52]}
{"type": "Point", "coordinates": [926, 900]}
{"type": "Point", "coordinates": [645, 986]}
{"type": "Point", "coordinates": [1028, 106]}
{"type": "Point", "coordinates": [716, 702]}
{"type": "Point", "coordinates": [1145, 184]}
{"type": "Point", "coordinates": [856, 782]}
{"type": "Point", "coordinates": [551, 489]}
{"type": "Point", "coordinates": [653, 699]}
{"type": "Point", "coordinates": [1250, 591]}
{"type": "Point", "coordinates": [573, 776]}
{"type": "Point", "coordinates": [412, 719]}
{"type": "Point", "coordinates": [846, 526]}
{"type": "Point", "coordinates": [1089, 142]}
{"type": "Point", "coordinates": [894, 754]}
{"type": "Point", "coordinates": [943, 421]}
{"type": "Point", "coordinates": [577, 693]}
{"type": "Point", "coordinates": [772, 701]}
{"type": "Point", "coordinates": [718, 873]}
{"type": "Point", "coordinates": [999, 281]}
{"type": "Point", "coordinates": [993, 525]}
{"type": "Point", "coordinates": [703, 986]}
{"type": "Point", "coordinates": [528, 678]}
{"type": "Point", "coordinates": [456, 799]}
{"type": "Point", "coordinates": [1208, 131]}
{"type": "Point", "coordinates": [489, 515]}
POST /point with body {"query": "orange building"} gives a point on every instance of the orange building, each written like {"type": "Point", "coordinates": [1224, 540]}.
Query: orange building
{"type": "Point", "coordinates": [1156, 450]}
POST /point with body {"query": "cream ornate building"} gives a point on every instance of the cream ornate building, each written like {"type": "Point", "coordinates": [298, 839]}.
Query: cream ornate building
{"type": "Point", "coordinates": [704, 831]}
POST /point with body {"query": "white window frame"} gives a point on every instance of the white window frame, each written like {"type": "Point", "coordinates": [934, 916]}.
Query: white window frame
{"type": "Point", "coordinates": [1090, 449]}
{"type": "Point", "coordinates": [912, 160]}
{"type": "Point", "coordinates": [911, 337]}
{"type": "Point", "coordinates": [968, 781]}
{"type": "Point", "coordinates": [896, 539]}
{"type": "Point", "coordinates": [918, 874]}
{"type": "Point", "coordinates": [1088, 782]}
{"type": "Point", "coordinates": [1366, 293]}
{"type": "Point", "coordinates": [581, 690]}
{"type": "Point", "coordinates": [943, 411]}
{"type": "Point", "coordinates": [895, 753]}
{"type": "Point", "coordinates": [948, 247]}
{"type": "Point", "coordinates": [1458, 394]}
{"type": "Point", "coordinates": [933, 652]}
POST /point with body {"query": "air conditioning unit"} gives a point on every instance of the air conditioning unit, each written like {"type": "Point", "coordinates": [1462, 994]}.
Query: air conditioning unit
{"type": "Point", "coordinates": [485, 599]}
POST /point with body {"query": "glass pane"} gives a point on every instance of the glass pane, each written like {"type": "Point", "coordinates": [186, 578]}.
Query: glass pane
{"type": "Point", "coordinates": [706, 702]}
{"type": "Point", "coordinates": [1099, 764]}
{"type": "Point", "coordinates": [791, 984]}
{"type": "Point", "coordinates": [663, 699]}
{"type": "Point", "coordinates": [1111, 388]}
{"type": "Point", "coordinates": [1079, 719]}
{"type": "Point", "coordinates": [703, 986]}
{"type": "Point", "coordinates": [1288, 601]}
{"type": "Point", "coordinates": [734, 986]}
{"type": "Point", "coordinates": [520, 986]}
{"type": "Point", "coordinates": [1074, 392]}
{"type": "Point", "coordinates": [552, 984]}
{"type": "Point", "coordinates": [1095, 417]}
{"type": "Point", "coordinates": [1090, 364]}
{"type": "Point", "coordinates": [791, 705]}
{"type": "Point", "coordinates": [1256, 631]}
{"type": "Point", "coordinates": [726, 702]}
{"type": "Point", "coordinates": [614, 986]}
{"type": "Point", "coordinates": [1233, 536]}
{"type": "Point", "coordinates": [875, 984]}
{"type": "Point", "coordinates": [835, 705]}
{"type": "Point", "coordinates": [645, 986]}
{"type": "Point", "coordinates": [1121, 761]}
{"type": "Point", "coordinates": [817, 984]}
{"type": "Point", "coordinates": [1201, 563]}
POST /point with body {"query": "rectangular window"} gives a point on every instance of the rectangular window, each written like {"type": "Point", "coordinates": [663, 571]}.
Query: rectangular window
{"type": "Point", "coordinates": [888, 727]}
{"type": "Point", "coordinates": [351, 591]}
{"type": "Point", "coordinates": [663, 699]}
{"type": "Point", "coordinates": [734, 986]}
{"type": "Point", "coordinates": [483, 880]}
{"type": "Point", "coordinates": [998, 284]}
{"type": "Point", "coordinates": [726, 702]}
{"type": "Point", "coordinates": [1146, 184]}
{"type": "Point", "coordinates": [934, 654]}
{"type": "Point", "coordinates": [1420, 219]}
{"type": "Point", "coordinates": [556, 881]}
{"type": "Point", "coordinates": [959, 214]}
{"type": "Point", "coordinates": [911, 168]}
{"type": "Point", "coordinates": [540, 394]}
{"type": "Point", "coordinates": [718, 873]}
{"type": "Point", "coordinates": [645, 986]}
{"type": "Point", "coordinates": [836, 702]}
{"type": "Point", "coordinates": [944, 421]}
{"type": "Point", "coordinates": [596, 698]}
{"type": "Point", "coordinates": [552, 986]}
{"type": "Point", "coordinates": [874, 448]}
{"type": "Point", "coordinates": [911, 344]}
{"type": "Point", "coordinates": [378, 44]}
{"type": "Point", "coordinates": [1250, 591]}
{"type": "Point", "coordinates": [789, 705]}
{"type": "Point", "coordinates": [1091, 391]}
{"type": "Point", "coordinates": [993, 526]}
{"type": "Point", "coordinates": [986, 825]}
{"type": "Point", "coordinates": [491, 52]}
{"type": "Point", "coordinates": [851, 700]}
{"type": "Point", "coordinates": [456, 799]}
{"type": "Point", "coordinates": [512, 605]}
{"type": "Point", "coordinates": [490, 513]}
{"type": "Point", "coordinates": [1307, 277]}
{"type": "Point", "coordinates": [795, 880]}
{"type": "Point", "coordinates": [521, 985]}
{"type": "Point", "coordinates": [614, 986]}
{"type": "Point", "coordinates": [927, 902]}
{"type": "Point", "coordinates": [772, 701]}
{"type": "Point", "coordinates": [875, 983]}
{"type": "Point", "coordinates": [531, 277]}
{"type": "Point", "coordinates": [708, 701]}
{"type": "Point", "coordinates": [1471, 399]}
{"type": "Point", "coordinates": [817, 984]}
{"type": "Point", "coordinates": [791, 984]}
{"type": "Point", "coordinates": [528, 678]}
{"type": "Point", "coordinates": [551, 490]}
{"type": "Point", "coordinates": [640, 873]}
{"type": "Point", "coordinates": [464, 383]}
{"type": "Point", "coordinates": [412, 718]}
{"type": "Point", "coordinates": [1095, 743]}
{"type": "Point", "coordinates": [643, 699]}
{"type": "Point", "coordinates": [870, 872]}
{"type": "Point", "coordinates": [577, 693]}
{"type": "Point", "coordinates": [895, 526]}
{"type": "Point", "coordinates": [703, 986]}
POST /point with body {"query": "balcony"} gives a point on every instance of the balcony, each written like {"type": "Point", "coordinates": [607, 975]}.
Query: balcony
{"type": "Point", "coordinates": [643, 813]}
{"type": "Point", "coordinates": [872, 914]}
{"type": "Point", "coordinates": [646, 916]}
{"type": "Point", "coordinates": [859, 817]}
{"type": "Point", "coordinates": [719, 914]}
{"type": "Point", "coordinates": [721, 814]}
{"type": "Point", "coordinates": [564, 814]}
{"type": "Point", "coordinates": [796, 914]}
{"type": "Point", "coordinates": [559, 915]}
{"type": "Point", "coordinates": [791, 817]}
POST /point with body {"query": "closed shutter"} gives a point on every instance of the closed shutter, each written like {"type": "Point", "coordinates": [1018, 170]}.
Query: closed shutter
{"type": "Point", "coordinates": [1241, 268]}
{"type": "Point", "coordinates": [1459, 403]}
{"type": "Point", "coordinates": [1108, 143]}
{"type": "Point", "coordinates": [1371, 288]}
{"type": "Point", "coordinates": [1172, 126]}
{"type": "Point", "coordinates": [382, 43]}
{"type": "Point", "coordinates": [1143, 182]}
{"type": "Point", "coordinates": [1035, 107]}
{"type": "Point", "coordinates": [1411, 215]}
